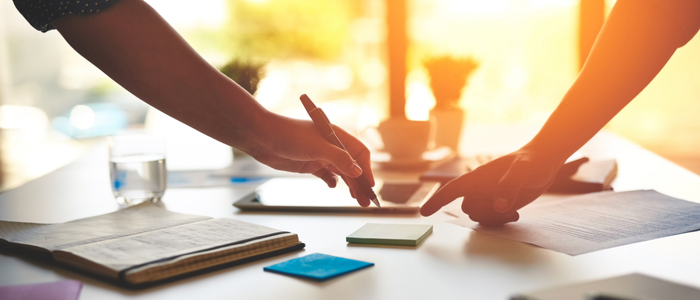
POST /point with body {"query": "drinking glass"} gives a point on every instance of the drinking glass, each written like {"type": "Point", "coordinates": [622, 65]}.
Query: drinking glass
{"type": "Point", "coordinates": [137, 168]}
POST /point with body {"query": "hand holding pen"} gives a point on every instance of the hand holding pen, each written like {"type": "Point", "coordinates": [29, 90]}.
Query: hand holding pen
{"type": "Point", "coordinates": [361, 186]}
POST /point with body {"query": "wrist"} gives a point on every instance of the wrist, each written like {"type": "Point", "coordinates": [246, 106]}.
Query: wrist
{"type": "Point", "coordinates": [252, 130]}
{"type": "Point", "coordinates": [545, 153]}
{"type": "Point", "coordinates": [243, 121]}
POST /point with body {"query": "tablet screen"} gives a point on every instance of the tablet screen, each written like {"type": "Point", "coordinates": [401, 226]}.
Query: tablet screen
{"type": "Point", "coordinates": [315, 192]}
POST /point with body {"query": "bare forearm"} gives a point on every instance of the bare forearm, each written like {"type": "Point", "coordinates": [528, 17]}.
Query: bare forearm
{"type": "Point", "coordinates": [133, 45]}
{"type": "Point", "coordinates": [633, 46]}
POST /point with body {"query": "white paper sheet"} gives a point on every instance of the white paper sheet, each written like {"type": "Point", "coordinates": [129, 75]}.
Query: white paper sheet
{"type": "Point", "coordinates": [596, 221]}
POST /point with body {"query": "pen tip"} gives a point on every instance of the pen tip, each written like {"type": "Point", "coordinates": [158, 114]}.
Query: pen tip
{"type": "Point", "coordinates": [306, 101]}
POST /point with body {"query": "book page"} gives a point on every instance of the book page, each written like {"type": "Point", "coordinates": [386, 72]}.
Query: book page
{"type": "Point", "coordinates": [140, 218]}
{"type": "Point", "coordinates": [167, 243]}
{"type": "Point", "coordinates": [596, 221]}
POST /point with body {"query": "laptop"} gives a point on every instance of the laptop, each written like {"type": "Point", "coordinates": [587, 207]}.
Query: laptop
{"type": "Point", "coordinates": [310, 194]}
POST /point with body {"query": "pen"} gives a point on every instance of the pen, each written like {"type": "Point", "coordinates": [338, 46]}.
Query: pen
{"type": "Point", "coordinates": [324, 127]}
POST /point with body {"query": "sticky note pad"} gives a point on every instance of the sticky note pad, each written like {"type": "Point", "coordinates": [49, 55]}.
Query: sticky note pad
{"type": "Point", "coordinates": [318, 266]}
{"type": "Point", "coordinates": [390, 234]}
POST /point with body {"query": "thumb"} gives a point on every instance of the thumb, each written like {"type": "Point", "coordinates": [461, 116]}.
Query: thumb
{"type": "Point", "coordinates": [508, 188]}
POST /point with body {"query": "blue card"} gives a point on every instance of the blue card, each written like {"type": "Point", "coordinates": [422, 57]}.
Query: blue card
{"type": "Point", "coordinates": [318, 266]}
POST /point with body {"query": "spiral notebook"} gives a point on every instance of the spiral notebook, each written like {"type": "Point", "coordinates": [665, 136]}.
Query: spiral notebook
{"type": "Point", "coordinates": [146, 243]}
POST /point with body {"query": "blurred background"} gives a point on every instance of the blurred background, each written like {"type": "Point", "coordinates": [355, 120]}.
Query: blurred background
{"type": "Point", "coordinates": [54, 104]}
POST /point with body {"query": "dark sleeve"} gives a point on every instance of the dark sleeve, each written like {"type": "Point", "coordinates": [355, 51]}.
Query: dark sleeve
{"type": "Point", "coordinates": [685, 15]}
{"type": "Point", "coordinates": [41, 13]}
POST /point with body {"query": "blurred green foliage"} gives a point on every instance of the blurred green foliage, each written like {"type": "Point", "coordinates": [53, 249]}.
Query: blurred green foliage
{"type": "Point", "coordinates": [246, 73]}
{"type": "Point", "coordinates": [290, 28]}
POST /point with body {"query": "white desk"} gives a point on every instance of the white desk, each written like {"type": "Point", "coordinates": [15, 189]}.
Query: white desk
{"type": "Point", "coordinates": [453, 263]}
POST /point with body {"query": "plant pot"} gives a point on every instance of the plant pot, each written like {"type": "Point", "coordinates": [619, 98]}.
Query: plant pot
{"type": "Point", "coordinates": [448, 124]}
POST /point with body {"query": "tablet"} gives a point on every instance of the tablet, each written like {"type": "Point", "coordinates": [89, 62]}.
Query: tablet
{"type": "Point", "coordinates": [310, 194]}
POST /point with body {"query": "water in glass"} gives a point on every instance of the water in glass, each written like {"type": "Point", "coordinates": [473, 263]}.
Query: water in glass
{"type": "Point", "coordinates": [137, 178]}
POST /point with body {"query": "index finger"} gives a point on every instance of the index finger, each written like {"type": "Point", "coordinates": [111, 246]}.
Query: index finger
{"type": "Point", "coordinates": [356, 191]}
{"type": "Point", "coordinates": [458, 187]}
{"type": "Point", "coordinates": [358, 151]}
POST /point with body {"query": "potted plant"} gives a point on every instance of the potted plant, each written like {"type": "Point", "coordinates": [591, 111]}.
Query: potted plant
{"type": "Point", "coordinates": [448, 78]}
{"type": "Point", "coordinates": [246, 73]}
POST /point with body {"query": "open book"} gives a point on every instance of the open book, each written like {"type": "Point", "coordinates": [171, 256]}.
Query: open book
{"type": "Point", "coordinates": [147, 243]}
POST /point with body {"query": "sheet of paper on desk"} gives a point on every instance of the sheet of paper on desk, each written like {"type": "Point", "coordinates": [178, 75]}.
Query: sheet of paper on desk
{"type": "Point", "coordinates": [596, 221]}
{"type": "Point", "coordinates": [59, 290]}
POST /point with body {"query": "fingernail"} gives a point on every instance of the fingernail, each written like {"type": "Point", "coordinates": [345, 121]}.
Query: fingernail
{"type": "Point", "coordinates": [355, 170]}
{"type": "Point", "coordinates": [515, 217]}
{"type": "Point", "coordinates": [500, 205]}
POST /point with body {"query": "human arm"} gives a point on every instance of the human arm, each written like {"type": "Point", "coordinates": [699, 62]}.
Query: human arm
{"type": "Point", "coordinates": [133, 45]}
{"type": "Point", "coordinates": [637, 40]}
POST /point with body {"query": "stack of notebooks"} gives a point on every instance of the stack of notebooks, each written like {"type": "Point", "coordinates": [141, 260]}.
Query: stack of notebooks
{"type": "Point", "coordinates": [146, 244]}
